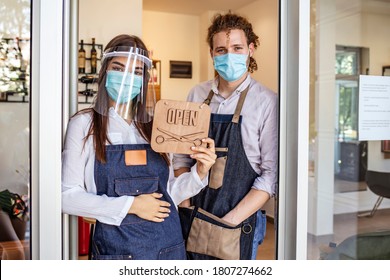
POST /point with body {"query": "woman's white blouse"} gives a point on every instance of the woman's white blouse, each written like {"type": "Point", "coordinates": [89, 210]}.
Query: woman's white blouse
{"type": "Point", "coordinates": [79, 196]}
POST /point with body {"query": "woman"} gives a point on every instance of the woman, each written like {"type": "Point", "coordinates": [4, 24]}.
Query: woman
{"type": "Point", "coordinates": [111, 174]}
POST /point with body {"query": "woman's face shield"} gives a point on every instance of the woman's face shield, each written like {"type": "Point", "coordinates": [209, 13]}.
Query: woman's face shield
{"type": "Point", "coordinates": [128, 84]}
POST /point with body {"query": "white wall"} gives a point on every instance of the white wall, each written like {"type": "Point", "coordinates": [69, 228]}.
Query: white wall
{"type": "Point", "coordinates": [173, 37]}
{"type": "Point", "coordinates": [105, 19]}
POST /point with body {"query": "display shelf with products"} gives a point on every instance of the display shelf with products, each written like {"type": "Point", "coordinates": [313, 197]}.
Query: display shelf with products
{"type": "Point", "coordinates": [14, 69]}
{"type": "Point", "coordinates": [156, 76]}
{"type": "Point", "coordinates": [89, 63]}
{"type": "Point", "coordinates": [155, 82]}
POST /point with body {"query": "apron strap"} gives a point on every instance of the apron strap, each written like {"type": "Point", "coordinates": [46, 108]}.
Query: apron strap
{"type": "Point", "coordinates": [209, 97]}
{"type": "Point", "coordinates": [240, 103]}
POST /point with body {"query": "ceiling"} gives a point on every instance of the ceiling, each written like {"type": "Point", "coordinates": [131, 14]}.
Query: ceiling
{"type": "Point", "coordinates": [193, 7]}
{"type": "Point", "coordinates": [197, 7]}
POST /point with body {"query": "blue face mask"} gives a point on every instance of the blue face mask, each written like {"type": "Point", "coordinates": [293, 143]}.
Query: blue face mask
{"type": "Point", "coordinates": [231, 66]}
{"type": "Point", "coordinates": [113, 84]}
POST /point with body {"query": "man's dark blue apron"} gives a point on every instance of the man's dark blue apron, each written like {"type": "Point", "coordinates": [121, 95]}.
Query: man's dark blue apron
{"type": "Point", "coordinates": [136, 238]}
{"type": "Point", "coordinates": [231, 178]}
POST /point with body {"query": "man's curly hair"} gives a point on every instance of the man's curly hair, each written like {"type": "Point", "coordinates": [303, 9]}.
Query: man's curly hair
{"type": "Point", "coordinates": [229, 21]}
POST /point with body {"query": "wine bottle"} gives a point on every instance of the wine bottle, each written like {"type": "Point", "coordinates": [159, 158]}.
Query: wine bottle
{"type": "Point", "coordinates": [81, 58]}
{"type": "Point", "coordinates": [93, 57]}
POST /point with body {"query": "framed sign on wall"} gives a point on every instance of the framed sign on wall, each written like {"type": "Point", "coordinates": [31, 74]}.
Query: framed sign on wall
{"type": "Point", "coordinates": [180, 69]}
{"type": "Point", "coordinates": [385, 147]}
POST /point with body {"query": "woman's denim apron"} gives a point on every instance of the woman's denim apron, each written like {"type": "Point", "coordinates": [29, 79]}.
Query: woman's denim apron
{"type": "Point", "coordinates": [136, 238]}
{"type": "Point", "coordinates": [231, 178]}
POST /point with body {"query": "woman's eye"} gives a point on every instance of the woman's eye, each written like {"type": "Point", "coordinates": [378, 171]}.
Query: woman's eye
{"type": "Point", "coordinates": [116, 68]}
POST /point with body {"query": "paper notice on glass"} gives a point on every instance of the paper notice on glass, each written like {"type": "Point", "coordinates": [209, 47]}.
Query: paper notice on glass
{"type": "Point", "coordinates": [374, 108]}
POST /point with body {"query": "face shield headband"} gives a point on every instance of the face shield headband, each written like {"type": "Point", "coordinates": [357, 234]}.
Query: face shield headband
{"type": "Point", "coordinates": [125, 88]}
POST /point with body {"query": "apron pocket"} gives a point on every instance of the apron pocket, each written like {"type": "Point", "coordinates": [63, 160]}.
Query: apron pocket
{"type": "Point", "coordinates": [135, 186]}
{"type": "Point", "coordinates": [210, 235]}
{"type": "Point", "coordinates": [216, 173]}
{"type": "Point", "coordinates": [218, 169]}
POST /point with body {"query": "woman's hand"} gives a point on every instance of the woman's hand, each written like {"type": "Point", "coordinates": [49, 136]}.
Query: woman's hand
{"type": "Point", "coordinates": [150, 207]}
{"type": "Point", "coordinates": [205, 157]}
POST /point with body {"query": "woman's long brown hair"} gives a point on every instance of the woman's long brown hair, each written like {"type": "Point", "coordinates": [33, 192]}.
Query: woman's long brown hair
{"type": "Point", "coordinates": [99, 125]}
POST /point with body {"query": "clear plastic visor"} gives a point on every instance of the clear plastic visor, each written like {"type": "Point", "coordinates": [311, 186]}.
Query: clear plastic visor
{"type": "Point", "coordinates": [136, 53]}
{"type": "Point", "coordinates": [126, 85]}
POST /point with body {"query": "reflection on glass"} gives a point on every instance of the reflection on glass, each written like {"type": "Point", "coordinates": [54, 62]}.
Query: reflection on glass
{"type": "Point", "coordinates": [346, 62]}
{"type": "Point", "coordinates": [14, 69]}
{"type": "Point", "coordinates": [14, 124]}
{"type": "Point", "coordinates": [345, 44]}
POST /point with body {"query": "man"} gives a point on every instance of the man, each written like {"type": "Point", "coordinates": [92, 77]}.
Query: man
{"type": "Point", "coordinates": [244, 126]}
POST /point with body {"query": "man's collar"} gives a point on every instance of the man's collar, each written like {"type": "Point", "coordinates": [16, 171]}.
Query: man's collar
{"type": "Point", "coordinates": [239, 89]}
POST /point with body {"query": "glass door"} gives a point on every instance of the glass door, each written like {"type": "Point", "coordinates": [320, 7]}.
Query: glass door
{"type": "Point", "coordinates": [15, 123]}
{"type": "Point", "coordinates": [347, 176]}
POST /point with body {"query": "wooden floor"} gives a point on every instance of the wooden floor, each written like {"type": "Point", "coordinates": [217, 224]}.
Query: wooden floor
{"type": "Point", "coordinates": [267, 250]}
{"type": "Point", "coordinates": [345, 225]}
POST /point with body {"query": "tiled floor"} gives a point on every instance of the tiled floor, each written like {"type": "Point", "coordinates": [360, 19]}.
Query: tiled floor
{"type": "Point", "coordinates": [345, 225]}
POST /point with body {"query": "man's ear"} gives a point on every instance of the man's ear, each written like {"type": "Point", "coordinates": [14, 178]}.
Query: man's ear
{"type": "Point", "coordinates": [251, 49]}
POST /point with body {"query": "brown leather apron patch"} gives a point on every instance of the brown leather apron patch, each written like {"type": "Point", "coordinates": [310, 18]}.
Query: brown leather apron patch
{"type": "Point", "coordinates": [135, 157]}
{"type": "Point", "coordinates": [217, 171]}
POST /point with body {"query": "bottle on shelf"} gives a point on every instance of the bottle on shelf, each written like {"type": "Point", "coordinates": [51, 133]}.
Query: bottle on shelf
{"type": "Point", "coordinates": [93, 57]}
{"type": "Point", "coordinates": [81, 58]}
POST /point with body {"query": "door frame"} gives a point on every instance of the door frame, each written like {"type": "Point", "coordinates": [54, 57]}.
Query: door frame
{"type": "Point", "coordinates": [46, 133]}
{"type": "Point", "coordinates": [292, 200]}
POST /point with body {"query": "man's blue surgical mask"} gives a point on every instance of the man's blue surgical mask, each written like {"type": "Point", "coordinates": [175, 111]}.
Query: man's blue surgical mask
{"type": "Point", "coordinates": [115, 79]}
{"type": "Point", "coordinates": [231, 66]}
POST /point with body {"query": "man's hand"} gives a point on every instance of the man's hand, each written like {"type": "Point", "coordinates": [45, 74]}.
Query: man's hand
{"type": "Point", "coordinates": [204, 156]}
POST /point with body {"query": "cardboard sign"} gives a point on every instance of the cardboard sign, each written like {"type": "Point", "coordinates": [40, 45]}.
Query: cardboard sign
{"type": "Point", "coordinates": [179, 125]}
